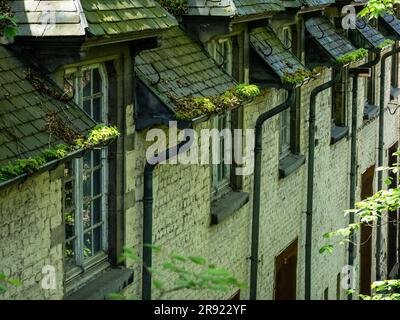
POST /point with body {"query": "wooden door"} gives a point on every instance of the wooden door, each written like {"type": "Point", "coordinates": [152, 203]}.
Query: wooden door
{"type": "Point", "coordinates": [392, 244]}
{"type": "Point", "coordinates": [286, 273]}
{"type": "Point", "coordinates": [367, 190]}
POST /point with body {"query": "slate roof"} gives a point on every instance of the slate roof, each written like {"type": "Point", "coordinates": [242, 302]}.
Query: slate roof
{"type": "Point", "coordinates": [268, 46]}
{"type": "Point", "coordinates": [233, 8]}
{"type": "Point", "coordinates": [98, 17]}
{"type": "Point", "coordinates": [315, 3]}
{"type": "Point", "coordinates": [23, 112]}
{"type": "Point", "coordinates": [393, 23]}
{"type": "Point", "coordinates": [184, 67]}
{"type": "Point", "coordinates": [370, 34]}
{"type": "Point", "coordinates": [325, 35]}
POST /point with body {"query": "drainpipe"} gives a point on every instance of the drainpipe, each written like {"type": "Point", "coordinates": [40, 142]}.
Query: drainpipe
{"type": "Point", "coordinates": [380, 152]}
{"type": "Point", "coordinates": [310, 176]}
{"type": "Point", "coordinates": [148, 210]}
{"type": "Point", "coordinates": [257, 184]}
{"type": "Point", "coordinates": [355, 72]}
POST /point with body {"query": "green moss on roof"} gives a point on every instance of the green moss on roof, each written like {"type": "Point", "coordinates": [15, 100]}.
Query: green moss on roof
{"type": "Point", "coordinates": [353, 56]}
{"type": "Point", "coordinates": [189, 108]}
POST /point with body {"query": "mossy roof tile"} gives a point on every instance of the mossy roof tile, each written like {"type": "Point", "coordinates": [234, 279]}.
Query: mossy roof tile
{"type": "Point", "coordinates": [23, 113]}
{"type": "Point", "coordinates": [99, 17]}
{"type": "Point", "coordinates": [189, 72]}
{"type": "Point", "coordinates": [326, 36]}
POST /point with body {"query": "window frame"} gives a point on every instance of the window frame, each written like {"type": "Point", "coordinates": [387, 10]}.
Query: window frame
{"type": "Point", "coordinates": [82, 264]}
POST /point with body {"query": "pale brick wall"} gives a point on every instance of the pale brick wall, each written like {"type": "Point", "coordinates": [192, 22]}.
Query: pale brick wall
{"type": "Point", "coordinates": [28, 214]}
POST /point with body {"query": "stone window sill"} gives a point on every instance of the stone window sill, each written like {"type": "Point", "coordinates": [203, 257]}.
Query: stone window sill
{"type": "Point", "coordinates": [370, 112]}
{"type": "Point", "coordinates": [110, 281]}
{"type": "Point", "coordinates": [338, 133]}
{"type": "Point", "coordinates": [227, 205]}
{"type": "Point", "coordinates": [290, 164]}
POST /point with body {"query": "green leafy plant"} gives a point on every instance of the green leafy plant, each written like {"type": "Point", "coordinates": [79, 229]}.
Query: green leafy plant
{"type": "Point", "coordinates": [375, 8]}
{"type": "Point", "coordinates": [189, 273]}
{"type": "Point", "coordinates": [353, 56]}
{"type": "Point", "coordinates": [8, 24]}
{"type": "Point", "coordinates": [367, 212]}
{"type": "Point", "coordinates": [5, 282]}
{"type": "Point", "coordinates": [385, 43]}
{"type": "Point", "coordinates": [189, 108]}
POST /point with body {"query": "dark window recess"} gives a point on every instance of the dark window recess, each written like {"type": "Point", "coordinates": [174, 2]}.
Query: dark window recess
{"type": "Point", "coordinates": [149, 109]}
{"type": "Point", "coordinates": [290, 163]}
{"type": "Point", "coordinates": [111, 281]}
{"type": "Point", "coordinates": [338, 285]}
{"type": "Point", "coordinates": [227, 205]}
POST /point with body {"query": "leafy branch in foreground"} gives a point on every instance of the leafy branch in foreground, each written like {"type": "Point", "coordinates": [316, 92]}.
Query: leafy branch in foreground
{"type": "Point", "coordinates": [189, 272]}
{"type": "Point", "coordinates": [4, 282]}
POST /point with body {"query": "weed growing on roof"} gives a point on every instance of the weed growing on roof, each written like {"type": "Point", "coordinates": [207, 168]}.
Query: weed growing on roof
{"type": "Point", "coordinates": [353, 56]}
{"type": "Point", "coordinates": [98, 135]}
{"type": "Point", "coordinates": [385, 43]}
{"type": "Point", "coordinates": [189, 108]}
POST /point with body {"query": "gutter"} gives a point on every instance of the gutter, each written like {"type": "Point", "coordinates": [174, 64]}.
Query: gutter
{"type": "Point", "coordinates": [255, 230]}
{"type": "Point", "coordinates": [380, 153]}
{"type": "Point", "coordinates": [310, 176]}
{"type": "Point", "coordinates": [355, 73]}
{"type": "Point", "coordinates": [148, 211]}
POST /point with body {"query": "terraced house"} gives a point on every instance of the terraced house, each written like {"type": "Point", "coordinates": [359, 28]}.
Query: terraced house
{"type": "Point", "coordinates": [73, 193]}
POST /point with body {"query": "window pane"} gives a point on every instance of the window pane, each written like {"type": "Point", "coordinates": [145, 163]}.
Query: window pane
{"type": "Point", "coordinates": [87, 245]}
{"type": "Point", "coordinates": [97, 243]}
{"type": "Point", "coordinates": [87, 184]}
{"type": "Point", "coordinates": [68, 170]}
{"type": "Point", "coordinates": [87, 215]}
{"type": "Point", "coordinates": [87, 106]}
{"type": "Point", "coordinates": [97, 211]}
{"type": "Point", "coordinates": [96, 157]}
{"type": "Point", "coordinates": [96, 182]}
{"type": "Point", "coordinates": [68, 195]}
{"type": "Point", "coordinates": [86, 79]}
{"type": "Point", "coordinates": [69, 219]}
{"type": "Point", "coordinates": [96, 81]}
{"type": "Point", "coordinates": [87, 161]}
{"type": "Point", "coordinates": [69, 254]}
{"type": "Point", "coordinates": [97, 116]}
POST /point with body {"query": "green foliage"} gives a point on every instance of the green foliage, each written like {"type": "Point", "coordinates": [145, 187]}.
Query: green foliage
{"type": "Point", "coordinates": [189, 272]}
{"type": "Point", "coordinates": [386, 43]}
{"type": "Point", "coordinates": [367, 212]}
{"type": "Point", "coordinates": [97, 135]}
{"type": "Point", "coordinates": [297, 77]}
{"type": "Point", "coordinates": [5, 282]}
{"type": "Point", "coordinates": [8, 24]}
{"type": "Point", "coordinates": [176, 7]}
{"type": "Point", "coordinates": [247, 90]}
{"type": "Point", "coordinates": [190, 108]}
{"type": "Point", "coordinates": [353, 56]}
{"type": "Point", "coordinates": [375, 8]}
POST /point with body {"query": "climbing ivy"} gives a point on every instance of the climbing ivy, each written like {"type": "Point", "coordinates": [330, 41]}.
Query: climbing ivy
{"type": "Point", "coordinates": [5, 282]}
{"type": "Point", "coordinates": [97, 135]}
{"type": "Point", "coordinates": [189, 108]}
{"type": "Point", "coordinates": [353, 56]}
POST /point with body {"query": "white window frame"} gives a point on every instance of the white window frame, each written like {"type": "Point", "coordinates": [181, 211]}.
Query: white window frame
{"type": "Point", "coordinates": [82, 263]}
{"type": "Point", "coordinates": [221, 185]}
